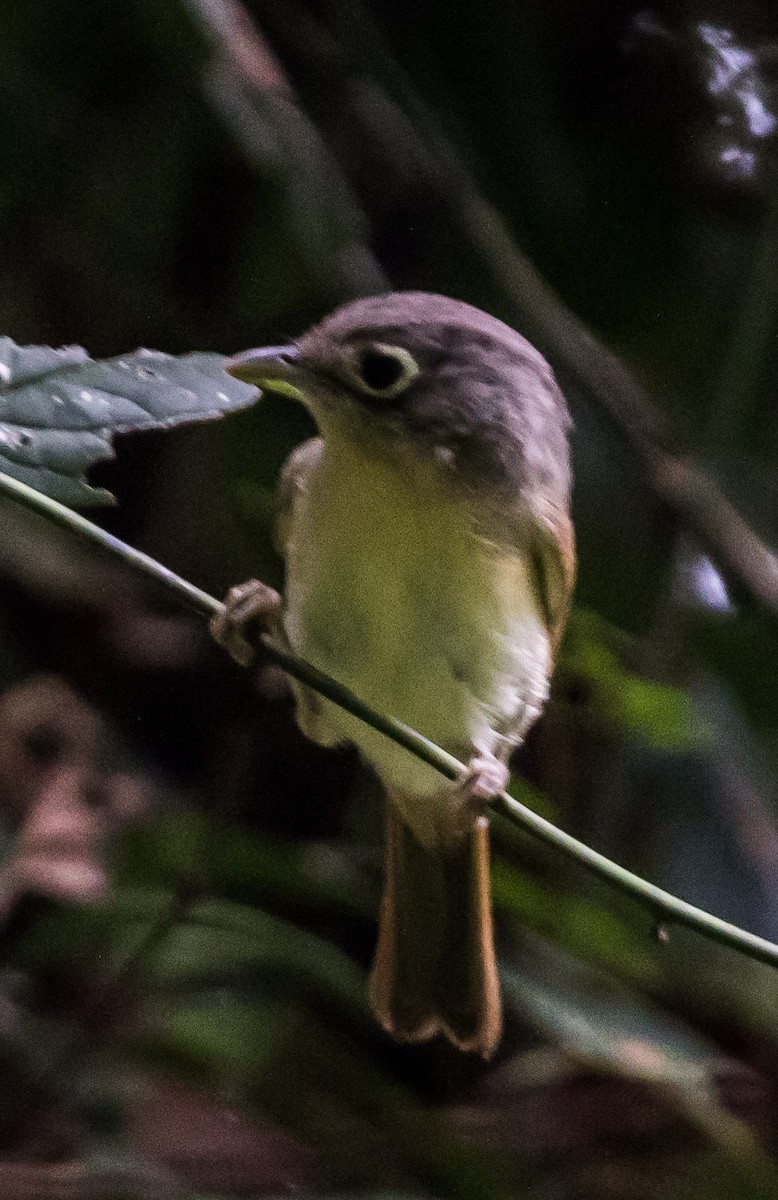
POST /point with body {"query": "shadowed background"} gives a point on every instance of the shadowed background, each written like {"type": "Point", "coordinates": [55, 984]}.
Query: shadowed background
{"type": "Point", "coordinates": [189, 889]}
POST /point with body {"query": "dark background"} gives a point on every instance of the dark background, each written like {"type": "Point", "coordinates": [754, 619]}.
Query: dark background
{"type": "Point", "coordinates": [202, 174]}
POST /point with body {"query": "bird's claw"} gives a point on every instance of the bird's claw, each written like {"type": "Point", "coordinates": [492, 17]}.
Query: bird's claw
{"type": "Point", "coordinates": [484, 779]}
{"type": "Point", "coordinates": [249, 608]}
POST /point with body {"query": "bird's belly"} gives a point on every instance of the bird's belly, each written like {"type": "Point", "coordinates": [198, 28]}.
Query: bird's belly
{"type": "Point", "coordinates": [391, 591]}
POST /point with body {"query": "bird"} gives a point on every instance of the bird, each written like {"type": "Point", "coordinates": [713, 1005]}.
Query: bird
{"type": "Point", "coordinates": [429, 564]}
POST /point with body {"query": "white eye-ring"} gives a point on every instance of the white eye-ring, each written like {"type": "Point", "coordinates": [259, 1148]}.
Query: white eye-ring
{"type": "Point", "coordinates": [384, 371]}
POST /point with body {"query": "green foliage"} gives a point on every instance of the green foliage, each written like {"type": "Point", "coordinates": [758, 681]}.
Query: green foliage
{"type": "Point", "coordinates": [157, 186]}
{"type": "Point", "coordinates": [608, 1026]}
{"type": "Point", "coordinates": [588, 928]}
{"type": "Point", "coordinates": [661, 716]}
{"type": "Point", "coordinates": [59, 409]}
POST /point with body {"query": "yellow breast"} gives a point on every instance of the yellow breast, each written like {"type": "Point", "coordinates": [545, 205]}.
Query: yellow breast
{"type": "Point", "coordinates": [391, 590]}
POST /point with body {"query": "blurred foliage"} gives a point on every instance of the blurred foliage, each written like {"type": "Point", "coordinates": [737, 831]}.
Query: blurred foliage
{"type": "Point", "coordinates": [60, 408]}
{"type": "Point", "coordinates": [208, 174]}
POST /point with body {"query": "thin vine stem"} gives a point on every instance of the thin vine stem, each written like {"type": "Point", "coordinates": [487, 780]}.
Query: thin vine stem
{"type": "Point", "coordinates": [665, 908]}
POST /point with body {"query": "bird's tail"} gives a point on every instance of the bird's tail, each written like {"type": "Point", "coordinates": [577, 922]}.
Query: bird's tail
{"type": "Point", "coordinates": [434, 970]}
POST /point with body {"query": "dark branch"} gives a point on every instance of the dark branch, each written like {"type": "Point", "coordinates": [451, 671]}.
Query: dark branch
{"type": "Point", "coordinates": [387, 114]}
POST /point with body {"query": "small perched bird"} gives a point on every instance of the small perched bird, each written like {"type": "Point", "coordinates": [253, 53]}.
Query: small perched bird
{"type": "Point", "coordinates": [429, 564]}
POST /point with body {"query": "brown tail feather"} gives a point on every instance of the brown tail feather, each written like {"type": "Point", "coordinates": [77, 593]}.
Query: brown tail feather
{"type": "Point", "coordinates": [434, 969]}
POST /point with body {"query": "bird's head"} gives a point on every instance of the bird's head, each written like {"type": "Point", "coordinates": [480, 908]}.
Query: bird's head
{"type": "Point", "coordinates": [411, 369]}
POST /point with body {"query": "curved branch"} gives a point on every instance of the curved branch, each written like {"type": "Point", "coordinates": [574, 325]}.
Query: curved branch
{"type": "Point", "coordinates": [530, 303]}
{"type": "Point", "coordinates": [664, 906]}
{"type": "Point", "coordinates": [695, 499]}
{"type": "Point", "coordinates": [397, 116]}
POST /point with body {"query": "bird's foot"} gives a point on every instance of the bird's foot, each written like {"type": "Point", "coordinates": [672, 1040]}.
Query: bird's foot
{"type": "Point", "coordinates": [484, 779]}
{"type": "Point", "coordinates": [486, 776]}
{"type": "Point", "coordinates": [249, 608]}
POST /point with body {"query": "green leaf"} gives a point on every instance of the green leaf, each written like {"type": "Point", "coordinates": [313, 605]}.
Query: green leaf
{"type": "Point", "coordinates": [218, 1037]}
{"type": "Point", "coordinates": [576, 922]}
{"type": "Point", "coordinates": [59, 409]}
{"type": "Point", "coordinates": [659, 715]}
{"type": "Point", "coordinates": [221, 939]}
{"type": "Point", "coordinates": [606, 1024]}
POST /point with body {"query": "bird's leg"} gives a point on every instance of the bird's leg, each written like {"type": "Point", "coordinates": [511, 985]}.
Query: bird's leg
{"type": "Point", "coordinates": [249, 608]}
{"type": "Point", "coordinates": [486, 776]}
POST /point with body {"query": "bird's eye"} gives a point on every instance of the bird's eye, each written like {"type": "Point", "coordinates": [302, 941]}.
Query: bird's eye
{"type": "Point", "coordinates": [385, 371]}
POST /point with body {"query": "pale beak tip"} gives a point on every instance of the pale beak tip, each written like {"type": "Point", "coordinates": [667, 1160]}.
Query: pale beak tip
{"type": "Point", "coordinates": [255, 365]}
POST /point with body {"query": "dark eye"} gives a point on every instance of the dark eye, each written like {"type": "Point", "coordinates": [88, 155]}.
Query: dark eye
{"type": "Point", "coordinates": [385, 371]}
{"type": "Point", "coordinates": [380, 371]}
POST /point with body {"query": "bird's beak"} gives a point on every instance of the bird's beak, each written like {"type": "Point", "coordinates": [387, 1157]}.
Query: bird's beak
{"type": "Point", "coordinates": [270, 368]}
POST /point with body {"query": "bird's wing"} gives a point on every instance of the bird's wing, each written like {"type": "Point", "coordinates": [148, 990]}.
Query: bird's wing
{"type": "Point", "coordinates": [552, 544]}
{"type": "Point", "coordinates": [291, 485]}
